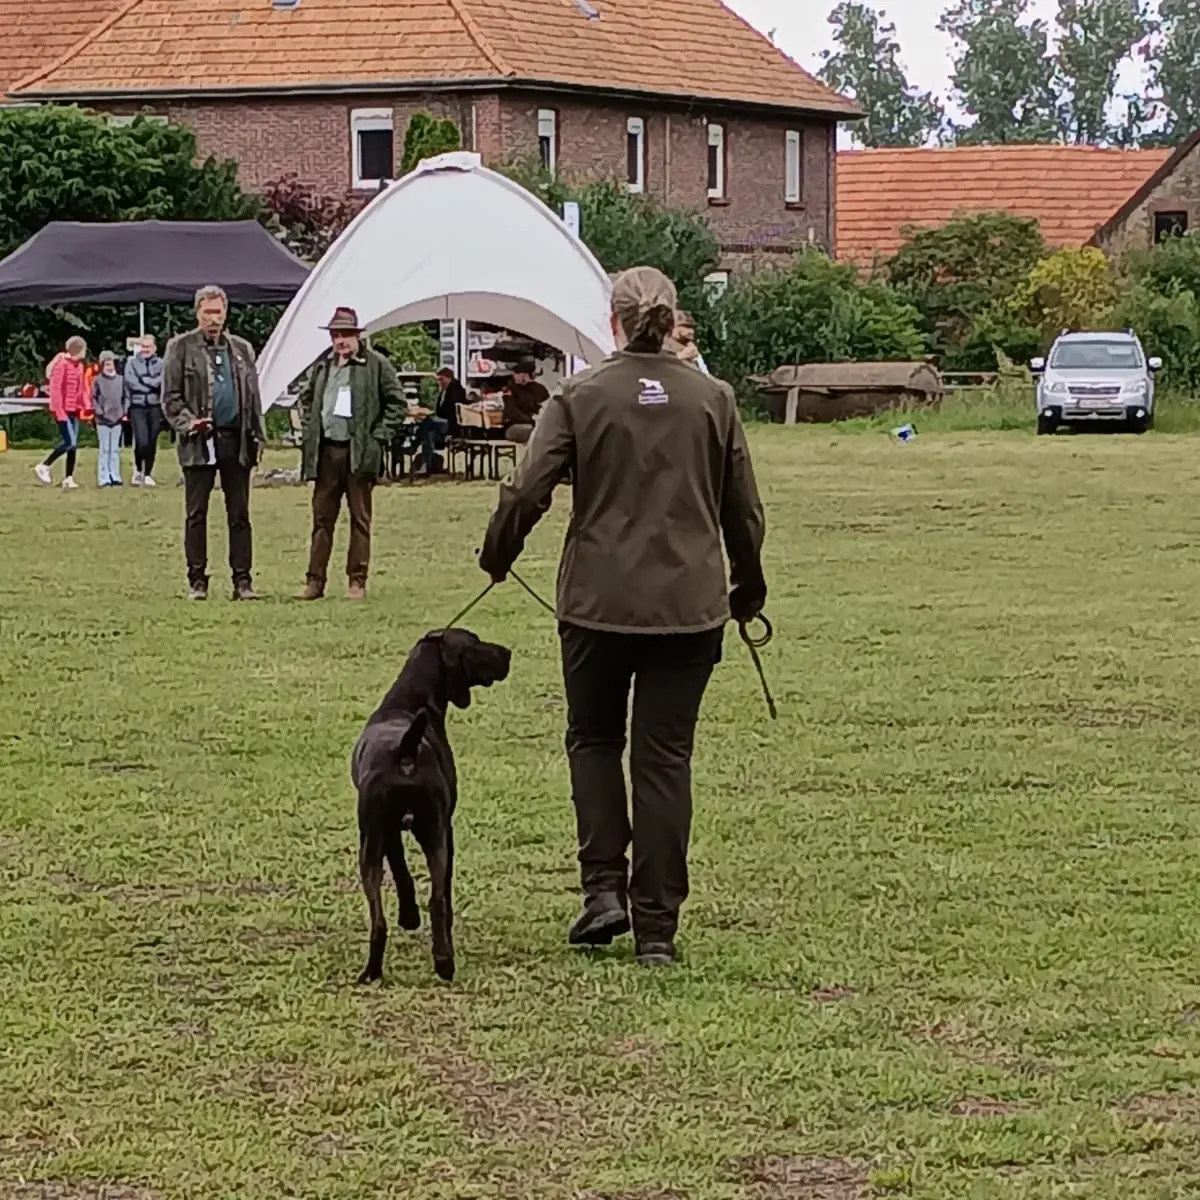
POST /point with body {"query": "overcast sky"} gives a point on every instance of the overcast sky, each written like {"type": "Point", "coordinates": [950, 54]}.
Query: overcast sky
{"type": "Point", "coordinates": [802, 31]}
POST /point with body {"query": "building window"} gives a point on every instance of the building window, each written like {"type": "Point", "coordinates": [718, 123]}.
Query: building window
{"type": "Point", "coordinates": [716, 162]}
{"type": "Point", "coordinates": [1169, 224]}
{"type": "Point", "coordinates": [716, 284]}
{"type": "Point", "coordinates": [153, 118]}
{"type": "Point", "coordinates": [793, 191]}
{"type": "Point", "coordinates": [374, 146]}
{"type": "Point", "coordinates": [635, 154]}
{"type": "Point", "coordinates": [548, 138]}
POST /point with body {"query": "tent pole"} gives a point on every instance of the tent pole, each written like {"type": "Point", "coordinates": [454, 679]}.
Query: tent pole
{"type": "Point", "coordinates": [141, 320]}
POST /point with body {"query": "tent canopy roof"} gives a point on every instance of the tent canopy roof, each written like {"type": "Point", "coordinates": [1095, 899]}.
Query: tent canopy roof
{"type": "Point", "coordinates": [451, 239]}
{"type": "Point", "coordinates": [126, 262]}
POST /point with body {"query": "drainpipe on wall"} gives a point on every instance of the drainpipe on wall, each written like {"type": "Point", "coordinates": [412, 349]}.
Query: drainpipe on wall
{"type": "Point", "coordinates": [667, 163]}
{"type": "Point", "coordinates": [474, 129]}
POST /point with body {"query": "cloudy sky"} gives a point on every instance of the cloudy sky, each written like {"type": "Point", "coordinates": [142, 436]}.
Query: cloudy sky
{"type": "Point", "coordinates": [802, 31]}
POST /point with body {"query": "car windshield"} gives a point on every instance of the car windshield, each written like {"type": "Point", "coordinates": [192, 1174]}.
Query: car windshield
{"type": "Point", "coordinates": [1096, 356]}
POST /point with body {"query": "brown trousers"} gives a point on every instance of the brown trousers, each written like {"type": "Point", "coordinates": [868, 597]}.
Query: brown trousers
{"type": "Point", "coordinates": [668, 674]}
{"type": "Point", "coordinates": [335, 480]}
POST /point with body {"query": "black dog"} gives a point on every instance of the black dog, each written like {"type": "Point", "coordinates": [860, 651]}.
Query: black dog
{"type": "Point", "coordinates": [403, 769]}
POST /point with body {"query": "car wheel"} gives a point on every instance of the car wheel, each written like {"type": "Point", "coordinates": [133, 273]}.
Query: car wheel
{"type": "Point", "coordinates": [1046, 425]}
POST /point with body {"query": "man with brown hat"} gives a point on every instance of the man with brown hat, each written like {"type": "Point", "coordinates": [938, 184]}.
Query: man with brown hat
{"type": "Point", "coordinates": [662, 481]}
{"type": "Point", "coordinates": [210, 399]}
{"type": "Point", "coordinates": [350, 408]}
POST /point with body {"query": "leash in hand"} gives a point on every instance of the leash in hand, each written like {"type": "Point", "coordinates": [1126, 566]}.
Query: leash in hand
{"type": "Point", "coordinates": [754, 645]}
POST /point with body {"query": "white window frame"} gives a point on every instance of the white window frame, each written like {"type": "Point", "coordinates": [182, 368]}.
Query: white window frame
{"type": "Point", "coordinates": [547, 120]}
{"type": "Point", "coordinates": [716, 137]}
{"type": "Point", "coordinates": [716, 284]}
{"type": "Point", "coordinates": [369, 120]}
{"type": "Point", "coordinates": [635, 127]}
{"type": "Point", "coordinates": [118, 122]}
{"type": "Point", "coordinates": [793, 160]}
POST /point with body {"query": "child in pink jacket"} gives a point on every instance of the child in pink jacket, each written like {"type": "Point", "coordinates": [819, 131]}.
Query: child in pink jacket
{"type": "Point", "coordinates": [68, 401]}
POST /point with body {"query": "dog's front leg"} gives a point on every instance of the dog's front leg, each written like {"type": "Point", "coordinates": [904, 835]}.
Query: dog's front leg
{"type": "Point", "coordinates": [439, 854]}
{"type": "Point", "coordinates": [370, 867]}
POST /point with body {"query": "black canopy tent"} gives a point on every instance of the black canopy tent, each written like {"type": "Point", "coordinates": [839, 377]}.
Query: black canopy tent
{"type": "Point", "coordinates": [131, 262]}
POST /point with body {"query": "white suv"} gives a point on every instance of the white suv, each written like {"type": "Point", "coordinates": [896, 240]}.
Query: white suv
{"type": "Point", "coordinates": [1095, 377]}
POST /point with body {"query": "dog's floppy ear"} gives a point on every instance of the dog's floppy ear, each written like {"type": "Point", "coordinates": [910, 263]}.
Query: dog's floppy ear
{"type": "Point", "coordinates": [410, 743]}
{"type": "Point", "coordinates": [454, 674]}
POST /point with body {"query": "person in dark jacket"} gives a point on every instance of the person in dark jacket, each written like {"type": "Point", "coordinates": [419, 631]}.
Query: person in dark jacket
{"type": "Point", "coordinates": [108, 405]}
{"type": "Point", "coordinates": [523, 401]}
{"type": "Point", "coordinates": [143, 396]}
{"type": "Point", "coordinates": [350, 409]}
{"type": "Point", "coordinates": [211, 400]}
{"type": "Point", "coordinates": [661, 479]}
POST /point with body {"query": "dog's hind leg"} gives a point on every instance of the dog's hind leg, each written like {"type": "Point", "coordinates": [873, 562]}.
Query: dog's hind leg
{"type": "Point", "coordinates": [370, 867]}
{"type": "Point", "coordinates": [406, 890]}
{"type": "Point", "coordinates": [439, 853]}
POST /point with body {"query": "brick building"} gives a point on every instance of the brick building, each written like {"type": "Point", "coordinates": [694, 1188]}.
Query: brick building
{"type": "Point", "coordinates": [1166, 205]}
{"type": "Point", "coordinates": [680, 99]}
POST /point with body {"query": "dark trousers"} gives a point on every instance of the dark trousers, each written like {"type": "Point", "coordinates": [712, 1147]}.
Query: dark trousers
{"type": "Point", "coordinates": [68, 444]}
{"type": "Point", "coordinates": [335, 480]}
{"type": "Point", "coordinates": [145, 421]}
{"type": "Point", "coordinates": [668, 674]}
{"type": "Point", "coordinates": [198, 484]}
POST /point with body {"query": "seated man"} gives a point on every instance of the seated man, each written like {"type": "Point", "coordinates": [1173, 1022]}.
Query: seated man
{"type": "Point", "coordinates": [523, 400]}
{"type": "Point", "coordinates": [433, 429]}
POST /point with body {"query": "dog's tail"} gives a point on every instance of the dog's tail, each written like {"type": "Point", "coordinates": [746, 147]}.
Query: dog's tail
{"type": "Point", "coordinates": [410, 743]}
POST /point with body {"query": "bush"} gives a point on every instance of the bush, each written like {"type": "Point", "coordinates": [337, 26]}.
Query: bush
{"type": "Point", "coordinates": [956, 275]}
{"type": "Point", "coordinates": [427, 137]}
{"type": "Point", "coordinates": [1169, 326]}
{"type": "Point", "coordinates": [1072, 289]}
{"type": "Point", "coordinates": [813, 311]}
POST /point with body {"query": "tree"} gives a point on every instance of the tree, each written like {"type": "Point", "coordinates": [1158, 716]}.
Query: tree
{"type": "Point", "coordinates": [308, 223]}
{"type": "Point", "coordinates": [629, 230]}
{"type": "Point", "coordinates": [1071, 289]}
{"type": "Point", "coordinates": [1002, 75]}
{"type": "Point", "coordinates": [1095, 38]}
{"type": "Point", "coordinates": [866, 65]}
{"type": "Point", "coordinates": [815, 310]}
{"type": "Point", "coordinates": [426, 137]}
{"type": "Point", "coordinates": [1175, 74]}
{"type": "Point", "coordinates": [956, 273]}
{"type": "Point", "coordinates": [60, 163]}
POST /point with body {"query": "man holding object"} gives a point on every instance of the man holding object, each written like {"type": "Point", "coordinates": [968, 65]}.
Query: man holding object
{"type": "Point", "coordinates": [210, 398]}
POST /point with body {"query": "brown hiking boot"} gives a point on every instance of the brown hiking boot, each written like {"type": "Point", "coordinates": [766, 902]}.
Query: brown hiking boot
{"type": "Point", "coordinates": [312, 591]}
{"type": "Point", "coordinates": [356, 591]}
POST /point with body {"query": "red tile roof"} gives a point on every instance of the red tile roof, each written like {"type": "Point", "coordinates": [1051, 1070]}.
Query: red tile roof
{"type": "Point", "coordinates": [688, 48]}
{"type": "Point", "coordinates": [35, 33]}
{"type": "Point", "coordinates": [1070, 190]}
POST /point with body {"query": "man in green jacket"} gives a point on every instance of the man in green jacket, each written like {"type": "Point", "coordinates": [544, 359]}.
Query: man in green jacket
{"type": "Point", "coordinates": [210, 398]}
{"type": "Point", "coordinates": [350, 408]}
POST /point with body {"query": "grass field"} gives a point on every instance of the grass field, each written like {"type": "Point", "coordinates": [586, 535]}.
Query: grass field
{"type": "Point", "coordinates": [942, 941]}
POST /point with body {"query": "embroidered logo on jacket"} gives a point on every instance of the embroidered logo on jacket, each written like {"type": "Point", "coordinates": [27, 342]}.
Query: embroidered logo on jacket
{"type": "Point", "coordinates": [652, 392]}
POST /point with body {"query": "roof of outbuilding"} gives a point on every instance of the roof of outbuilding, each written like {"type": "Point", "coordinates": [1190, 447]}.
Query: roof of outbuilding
{"type": "Point", "coordinates": [1070, 190]}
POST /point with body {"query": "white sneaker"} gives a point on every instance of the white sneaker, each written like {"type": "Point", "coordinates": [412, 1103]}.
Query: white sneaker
{"type": "Point", "coordinates": [148, 481]}
{"type": "Point", "coordinates": [43, 473]}
{"type": "Point", "coordinates": [136, 481]}
{"type": "Point", "coordinates": [69, 485]}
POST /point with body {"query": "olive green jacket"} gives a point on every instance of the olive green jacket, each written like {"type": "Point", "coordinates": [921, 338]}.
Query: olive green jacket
{"type": "Point", "coordinates": [187, 396]}
{"type": "Point", "coordinates": [662, 480]}
{"type": "Point", "coordinates": [377, 411]}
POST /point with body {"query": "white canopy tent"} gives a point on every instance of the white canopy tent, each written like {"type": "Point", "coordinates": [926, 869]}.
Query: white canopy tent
{"type": "Point", "coordinates": [449, 240]}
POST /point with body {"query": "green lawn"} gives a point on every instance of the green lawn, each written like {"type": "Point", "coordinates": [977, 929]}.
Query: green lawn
{"type": "Point", "coordinates": [942, 939]}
